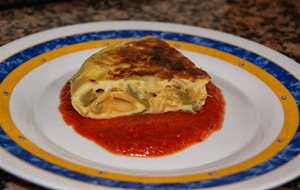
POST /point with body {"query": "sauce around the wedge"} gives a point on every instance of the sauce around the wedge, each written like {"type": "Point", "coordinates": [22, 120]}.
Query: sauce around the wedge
{"type": "Point", "coordinates": [148, 135]}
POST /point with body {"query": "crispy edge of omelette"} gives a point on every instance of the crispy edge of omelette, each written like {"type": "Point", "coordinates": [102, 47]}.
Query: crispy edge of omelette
{"type": "Point", "coordinates": [137, 76]}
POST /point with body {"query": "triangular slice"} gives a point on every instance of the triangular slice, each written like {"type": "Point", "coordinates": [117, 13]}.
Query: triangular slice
{"type": "Point", "coordinates": [135, 77]}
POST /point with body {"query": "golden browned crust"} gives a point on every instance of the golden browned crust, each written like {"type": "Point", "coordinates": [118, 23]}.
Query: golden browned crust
{"type": "Point", "coordinates": [151, 57]}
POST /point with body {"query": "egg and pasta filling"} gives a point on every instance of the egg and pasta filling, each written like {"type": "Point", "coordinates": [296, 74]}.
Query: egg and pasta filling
{"type": "Point", "coordinates": [149, 95]}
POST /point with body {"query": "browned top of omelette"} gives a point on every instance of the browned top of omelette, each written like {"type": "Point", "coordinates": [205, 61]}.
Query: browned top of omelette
{"type": "Point", "coordinates": [150, 57]}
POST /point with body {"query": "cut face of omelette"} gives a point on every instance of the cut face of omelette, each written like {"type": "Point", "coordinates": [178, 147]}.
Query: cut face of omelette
{"type": "Point", "coordinates": [135, 77]}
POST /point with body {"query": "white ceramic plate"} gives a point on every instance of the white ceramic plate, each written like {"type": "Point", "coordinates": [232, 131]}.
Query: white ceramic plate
{"type": "Point", "coordinates": [257, 147]}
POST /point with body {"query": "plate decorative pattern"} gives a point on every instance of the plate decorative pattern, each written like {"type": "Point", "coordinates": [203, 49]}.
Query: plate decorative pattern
{"type": "Point", "coordinates": [291, 83]}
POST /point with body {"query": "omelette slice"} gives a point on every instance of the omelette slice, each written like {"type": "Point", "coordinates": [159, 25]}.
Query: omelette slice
{"type": "Point", "coordinates": [137, 76]}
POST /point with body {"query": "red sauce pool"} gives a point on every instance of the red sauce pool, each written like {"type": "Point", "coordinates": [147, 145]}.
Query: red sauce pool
{"type": "Point", "coordinates": [148, 135]}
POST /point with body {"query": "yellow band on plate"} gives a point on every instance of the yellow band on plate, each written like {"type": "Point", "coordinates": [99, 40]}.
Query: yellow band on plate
{"type": "Point", "coordinates": [291, 115]}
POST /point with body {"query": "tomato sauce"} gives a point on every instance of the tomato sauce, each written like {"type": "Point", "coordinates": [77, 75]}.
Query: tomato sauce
{"type": "Point", "coordinates": [148, 135]}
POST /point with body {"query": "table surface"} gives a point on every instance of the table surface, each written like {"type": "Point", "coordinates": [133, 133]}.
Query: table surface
{"type": "Point", "coordinates": [275, 24]}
